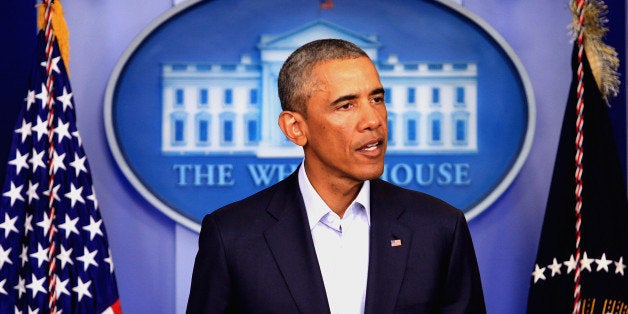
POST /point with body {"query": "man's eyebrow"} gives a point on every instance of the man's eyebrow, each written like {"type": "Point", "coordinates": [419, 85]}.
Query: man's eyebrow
{"type": "Point", "coordinates": [340, 99]}
{"type": "Point", "coordinates": [343, 98]}
{"type": "Point", "coordinates": [377, 91]}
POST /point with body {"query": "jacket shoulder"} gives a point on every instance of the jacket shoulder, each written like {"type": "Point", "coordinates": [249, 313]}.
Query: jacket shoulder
{"type": "Point", "coordinates": [414, 205]}
{"type": "Point", "coordinates": [256, 207]}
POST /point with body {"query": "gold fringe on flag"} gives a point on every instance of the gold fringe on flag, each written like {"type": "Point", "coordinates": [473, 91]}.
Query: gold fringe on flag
{"type": "Point", "coordinates": [60, 29]}
{"type": "Point", "coordinates": [602, 57]}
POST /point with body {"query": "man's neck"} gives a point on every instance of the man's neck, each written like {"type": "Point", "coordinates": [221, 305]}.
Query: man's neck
{"type": "Point", "coordinates": [337, 193]}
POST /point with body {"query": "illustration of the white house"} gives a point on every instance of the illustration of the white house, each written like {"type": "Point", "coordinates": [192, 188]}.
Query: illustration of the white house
{"type": "Point", "coordinates": [232, 108]}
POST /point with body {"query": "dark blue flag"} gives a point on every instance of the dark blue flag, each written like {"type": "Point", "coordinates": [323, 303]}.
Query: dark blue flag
{"type": "Point", "coordinates": [603, 249]}
{"type": "Point", "coordinates": [53, 244]}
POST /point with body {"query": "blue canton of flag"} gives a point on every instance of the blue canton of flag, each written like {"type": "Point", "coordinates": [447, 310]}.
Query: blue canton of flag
{"type": "Point", "coordinates": [72, 270]}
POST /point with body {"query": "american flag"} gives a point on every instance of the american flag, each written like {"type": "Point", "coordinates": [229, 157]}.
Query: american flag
{"type": "Point", "coordinates": [54, 254]}
{"type": "Point", "coordinates": [395, 242]}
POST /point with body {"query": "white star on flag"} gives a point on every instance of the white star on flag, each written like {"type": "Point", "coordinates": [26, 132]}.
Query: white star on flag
{"type": "Point", "coordinates": [538, 273]}
{"type": "Point", "coordinates": [21, 286]}
{"type": "Point", "coordinates": [28, 224]}
{"type": "Point", "coordinates": [15, 193]}
{"type": "Point", "coordinates": [54, 65]}
{"type": "Point", "coordinates": [32, 191]}
{"type": "Point", "coordinates": [65, 256]}
{"type": "Point", "coordinates": [571, 264]}
{"type": "Point", "coordinates": [75, 195]}
{"type": "Point", "coordinates": [2, 290]}
{"type": "Point", "coordinates": [93, 228]}
{"type": "Point", "coordinates": [25, 130]}
{"type": "Point", "coordinates": [602, 263]}
{"type": "Point", "coordinates": [60, 287]}
{"type": "Point", "coordinates": [93, 198]}
{"type": "Point", "coordinates": [78, 164]}
{"type": "Point", "coordinates": [620, 266]}
{"type": "Point", "coordinates": [45, 223]}
{"type": "Point", "coordinates": [36, 285]}
{"type": "Point", "coordinates": [69, 226]}
{"type": "Point", "coordinates": [30, 99]}
{"type": "Point", "coordinates": [65, 99]}
{"type": "Point", "coordinates": [55, 192]}
{"type": "Point", "coordinates": [82, 288]}
{"type": "Point", "coordinates": [41, 255]}
{"type": "Point", "coordinates": [57, 162]}
{"type": "Point", "coordinates": [88, 258]}
{"type": "Point", "coordinates": [8, 225]}
{"type": "Point", "coordinates": [109, 261]}
{"type": "Point", "coordinates": [24, 255]}
{"type": "Point", "coordinates": [62, 130]}
{"type": "Point", "coordinates": [78, 138]}
{"type": "Point", "coordinates": [4, 256]}
{"type": "Point", "coordinates": [41, 128]}
{"type": "Point", "coordinates": [585, 262]}
{"type": "Point", "coordinates": [37, 160]}
{"type": "Point", "coordinates": [43, 96]}
{"type": "Point", "coordinates": [19, 162]}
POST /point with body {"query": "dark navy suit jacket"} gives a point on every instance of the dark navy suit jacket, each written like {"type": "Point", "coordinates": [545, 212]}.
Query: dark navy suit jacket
{"type": "Point", "coordinates": [257, 256]}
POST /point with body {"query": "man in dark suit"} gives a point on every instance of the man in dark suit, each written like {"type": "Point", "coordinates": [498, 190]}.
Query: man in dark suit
{"type": "Point", "coordinates": [332, 237]}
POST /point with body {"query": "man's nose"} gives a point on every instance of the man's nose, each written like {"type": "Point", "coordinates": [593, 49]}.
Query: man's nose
{"type": "Point", "coordinates": [373, 116]}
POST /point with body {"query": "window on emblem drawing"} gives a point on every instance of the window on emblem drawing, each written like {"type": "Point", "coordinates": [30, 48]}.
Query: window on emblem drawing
{"type": "Point", "coordinates": [253, 95]}
{"type": "Point", "coordinates": [177, 128]}
{"type": "Point", "coordinates": [460, 96]}
{"type": "Point", "coordinates": [203, 97]}
{"type": "Point", "coordinates": [203, 129]}
{"type": "Point", "coordinates": [412, 128]}
{"type": "Point", "coordinates": [228, 97]}
{"type": "Point", "coordinates": [252, 132]}
{"type": "Point", "coordinates": [411, 95]}
{"type": "Point", "coordinates": [435, 95]}
{"type": "Point", "coordinates": [461, 127]}
{"type": "Point", "coordinates": [179, 99]}
{"type": "Point", "coordinates": [227, 123]}
{"type": "Point", "coordinates": [436, 128]}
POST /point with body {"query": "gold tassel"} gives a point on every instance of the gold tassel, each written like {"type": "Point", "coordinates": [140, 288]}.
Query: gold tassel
{"type": "Point", "coordinates": [602, 57]}
{"type": "Point", "coordinates": [60, 29]}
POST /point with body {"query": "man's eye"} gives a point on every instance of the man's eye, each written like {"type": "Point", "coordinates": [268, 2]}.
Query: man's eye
{"type": "Point", "coordinates": [345, 106]}
{"type": "Point", "coordinates": [378, 99]}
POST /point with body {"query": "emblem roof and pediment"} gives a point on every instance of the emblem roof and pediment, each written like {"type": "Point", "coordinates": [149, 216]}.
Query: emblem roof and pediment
{"type": "Point", "coordinates": [278, 47]}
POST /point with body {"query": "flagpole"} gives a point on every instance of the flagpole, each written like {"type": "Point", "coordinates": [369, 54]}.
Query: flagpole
{"type": "Point", "coordinates": [49, 34]}
{"type": "Point", "coordinates": [579, 152]}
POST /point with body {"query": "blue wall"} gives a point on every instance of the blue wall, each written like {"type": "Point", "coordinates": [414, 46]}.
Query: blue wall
{"type": "Point", "coordinates": [152, 253]}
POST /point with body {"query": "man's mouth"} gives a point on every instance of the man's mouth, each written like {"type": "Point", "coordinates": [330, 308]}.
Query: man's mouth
{"type": "Point", "coordinates": [372, 146]}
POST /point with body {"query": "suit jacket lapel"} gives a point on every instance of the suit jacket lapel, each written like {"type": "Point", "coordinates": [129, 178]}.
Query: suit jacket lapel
{"type": "Point", "coordinates": [387, 260]}
{"type": "Point", "coordinates": [290, 242]}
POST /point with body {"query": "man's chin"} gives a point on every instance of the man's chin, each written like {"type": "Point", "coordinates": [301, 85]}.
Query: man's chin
{"type": "Point", "coordinates": [370, 174]}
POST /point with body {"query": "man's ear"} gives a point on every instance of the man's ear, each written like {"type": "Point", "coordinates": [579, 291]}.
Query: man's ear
{"type": "Point", "coordinates": [293, 126]}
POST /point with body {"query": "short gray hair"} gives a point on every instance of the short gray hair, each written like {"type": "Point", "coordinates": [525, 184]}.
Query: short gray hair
{"type": "Point", "coordinates": [294, 82]}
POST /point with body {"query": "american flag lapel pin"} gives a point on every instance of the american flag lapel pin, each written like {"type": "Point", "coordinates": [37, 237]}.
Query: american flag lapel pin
{"type": "Point", "coordinates": [395, 242]}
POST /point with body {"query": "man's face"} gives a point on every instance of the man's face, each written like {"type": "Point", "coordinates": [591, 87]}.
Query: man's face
{"type": "Point", "coordinates": [346, 124]}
